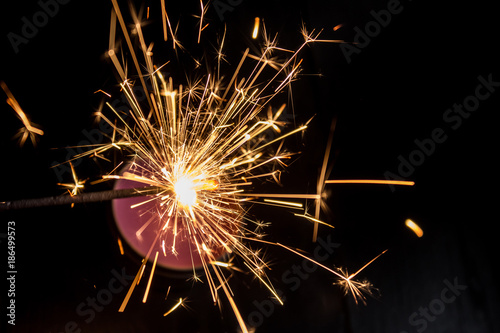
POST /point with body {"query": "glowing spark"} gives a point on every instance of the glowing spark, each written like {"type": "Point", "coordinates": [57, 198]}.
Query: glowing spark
{"type": "Point", "coordinates": [285, 203]}
{"type": "Point", "coordinates": [320, 185]}
{"type": "Point", "coordinates": [255, 32]}
{"type": "Point", "coordinates": [131, 289]}
{"type": "Point", "coordinates": [312, 219]}
{"type": "Point", "coordinates": [111, 52]}
{"type": "Point", "coordinates": [203, 10]}
{"type": "Point", "coordinates": [164, 20]}
{"type": "Point", "coordinates": [168, 292]}
{"type": "Point", "coordinates": [179, 303]}
{"type": "Point", "coordinates": [75, 187]}
{"type": "Point", "coordinates": [367, 264]}
{"type": "Point", "coordinates": [337, 27]}
{"type": "Point", "coordinates": [120, 246]}
{"type": "Point", "coordinates": [146, 293]}
{"type": "Point", "coordinates": [130, 46]}
{"type": "Point", "coordinates": [102, 91]}
{"type": "Point", "coordinates": [356, 288]}
{"type": "Point", "coordinates": [284, 195]}
{"type": "Point", "coordinates": [265, 283]}
{"type": "Point", "coordinates": [370, 181]}
{"type": "Point", "coordinates": [221, 264]}
{"type": "Point", "coordinates": [414, 227]}
{"type": "Point", "coordinates": [29, 129]}
{"type": "Point", "coordinates": [346, 281]}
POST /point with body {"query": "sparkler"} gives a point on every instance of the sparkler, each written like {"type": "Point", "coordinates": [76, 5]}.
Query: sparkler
{"type": "Point", "coordinates": [204, 144]}
{"type": "Point", "coordinates": [78, 198]}
{"type": "Point", "coordinates": [197, 150]}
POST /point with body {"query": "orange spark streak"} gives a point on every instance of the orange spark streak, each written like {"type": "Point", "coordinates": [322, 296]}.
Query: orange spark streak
{"type": "Point", "coordinates": [414, 227]}
{"type": "Point", "coordinates": [102, 91]}
{"type": "Point", "coordinates": [310, 218]}
{"type": "Point", "coordinates": [366, 265]}
{"type": "Point", "coordinates": [131, 47]}
{"type": "Point", "coordinates": [131, 289]}
{"type": "Point", "coordinates": [370, 181]}
{"type": "Point", "coordinates": [236, 311]}
{"type": "Point", "coordinates": [320, 185]}
{"type": "Point", "coordinates": [255, 32]}
{"type": "Point", "coordinates": [164, 20]}
{"type": "Point", "coordinates": [11, 100]}
{"type": "Point", "coordinates": [120, 245]}
{"type": "Point", "coordinates": [278, 195]}
{"type": "Point", "coordinates": [179, 303]}
{"type": "Point", "coordinates": [201, 20]}
{"type": "Point", "coordinates": [285, 203]}
{"type": "Point", "coordinates": [146, 293]}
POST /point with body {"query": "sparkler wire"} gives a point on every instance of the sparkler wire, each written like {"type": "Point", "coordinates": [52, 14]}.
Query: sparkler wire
{"type": "Point", "coordinates": [80, 198]}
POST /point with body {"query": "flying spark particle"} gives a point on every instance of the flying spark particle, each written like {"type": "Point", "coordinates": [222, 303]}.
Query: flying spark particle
{"type": "Point", "coordinates": [256, 25]}
{"type": "Point", "coordinates": [414, 227]}
{"type": "Point", "coordinates": [29, 130]}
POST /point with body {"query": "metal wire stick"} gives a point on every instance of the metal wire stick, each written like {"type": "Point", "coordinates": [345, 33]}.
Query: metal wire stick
{"type": "Point", "coordinates": [80, 198]}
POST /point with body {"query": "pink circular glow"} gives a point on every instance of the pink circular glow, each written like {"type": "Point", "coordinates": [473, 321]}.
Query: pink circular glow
{"type": "Point", "coordinates": [131, 222]}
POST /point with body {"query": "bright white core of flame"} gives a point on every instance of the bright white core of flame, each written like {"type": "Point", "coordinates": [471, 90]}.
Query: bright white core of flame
{"type": "Point", "coordinates": [185, 190]}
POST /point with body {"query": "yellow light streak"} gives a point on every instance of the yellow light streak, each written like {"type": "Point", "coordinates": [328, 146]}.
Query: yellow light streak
{"type": "Point", "coordinates": [275, 294]}
{"type": "Point", "coordinates": [120, 246]}
{"type": "Point", "coordinates": [414, 227]}
{"type": "Point", "coordinates": [29, 129]}
{"type": "Point", "coordinates": [220, 263]}
{"type": "Point", "coordinates": [179, 303]}
{"type": "Point", "coordinates": [286, 203]}
{"type": "Point", "coordinates": [370, 181]}
{"type": "Point", "coordinates": [315, 220]}
{"type": "Point", "coordinates": [320, 185]}
{"type": "Point", "coordinates": [337, 27]}
{"type": "Point", "coordinates": [281, 195]}
{"type": "Point", "coordinates": [146, 293]}
{"type": "Point", "coordinates": [131, 289]}
{"type": "Point", "coordinates": [256, 25]}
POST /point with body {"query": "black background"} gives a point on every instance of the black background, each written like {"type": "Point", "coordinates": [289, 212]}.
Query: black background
{"type": "Point", "coordinates": [393, 92]}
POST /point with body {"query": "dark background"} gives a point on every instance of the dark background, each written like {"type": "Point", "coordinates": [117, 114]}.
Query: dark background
{"type": "Point", "coordinates": [393, 92]}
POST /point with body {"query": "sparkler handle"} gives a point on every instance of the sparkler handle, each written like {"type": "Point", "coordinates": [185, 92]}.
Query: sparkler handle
{"type": "Point", "coordinates": [80, 198]}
